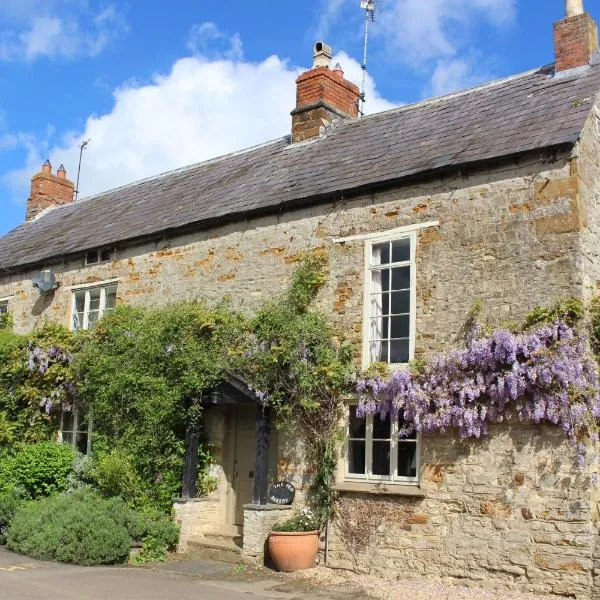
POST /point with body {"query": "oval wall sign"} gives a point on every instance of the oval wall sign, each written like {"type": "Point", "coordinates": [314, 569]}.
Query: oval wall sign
{"type": "Point", "coordinates": [283, 493]}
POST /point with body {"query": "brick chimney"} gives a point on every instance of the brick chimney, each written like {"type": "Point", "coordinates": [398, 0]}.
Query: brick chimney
{"type": "Point", "coordinates": [575, 37]}
{"type": "Point", "coordinates": [322, 96]}
{"type": "Point", "coordinates": [49, 190]}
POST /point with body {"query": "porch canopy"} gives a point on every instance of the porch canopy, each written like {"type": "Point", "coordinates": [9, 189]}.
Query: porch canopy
{"type": "Point", "coordinates": [232, 392]}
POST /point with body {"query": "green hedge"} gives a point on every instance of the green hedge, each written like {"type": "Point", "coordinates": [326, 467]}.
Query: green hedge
{"type": "Point", "coordinates": [38, 470]}
{"type": "Point", "coordinates": [9, 504]}
{"type": "Point", "coordinates": [84, 528]}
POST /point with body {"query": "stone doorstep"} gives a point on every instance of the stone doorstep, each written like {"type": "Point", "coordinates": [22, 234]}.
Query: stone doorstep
{"type": "Point", "coordinates": [218, 545]}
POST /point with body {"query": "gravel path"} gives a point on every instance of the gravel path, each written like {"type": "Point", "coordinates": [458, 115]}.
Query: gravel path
{"type": "Point", "coordinates": [382, 589]}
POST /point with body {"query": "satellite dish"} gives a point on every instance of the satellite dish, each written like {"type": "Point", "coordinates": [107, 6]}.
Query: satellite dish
{"type": "Point", "coordinates": [45, 281]}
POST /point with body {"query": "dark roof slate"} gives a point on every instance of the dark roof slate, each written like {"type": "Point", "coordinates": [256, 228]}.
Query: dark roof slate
{"type": "Point", "coordinates": [523, 113]}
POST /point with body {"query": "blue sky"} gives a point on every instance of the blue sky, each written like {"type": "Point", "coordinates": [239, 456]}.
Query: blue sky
{"type": "Point", "coordinates": [158, 85]}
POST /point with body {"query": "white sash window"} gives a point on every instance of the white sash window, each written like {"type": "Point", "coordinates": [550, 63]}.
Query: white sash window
{"type": "Point", "coordinates": [390, 299]}
{"type": "Point", "coordinates": [374, 452]}
{"type": "Point", "coordinates": [91, 304]}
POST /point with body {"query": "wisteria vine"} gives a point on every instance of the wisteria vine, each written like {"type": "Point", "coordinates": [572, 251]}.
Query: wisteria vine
{"type": "Point", "coordinates": [539, 376]}
{"type": "Point", "coordinates": [54, 362]}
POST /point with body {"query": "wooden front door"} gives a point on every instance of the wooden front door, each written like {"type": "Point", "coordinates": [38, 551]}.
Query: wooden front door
{"type": "Point", "coordinates": [244, 459]}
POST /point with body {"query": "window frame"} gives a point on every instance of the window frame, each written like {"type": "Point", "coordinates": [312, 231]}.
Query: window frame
{"type": "Point", "coordinates": [368, 476]}
{"type": "Point", "coordinates": [368, 270]}
{"type": "Point", "coordinates": [99, 252]}
{"type": "Point", "coordinates": [76, 431]}
{"type": "Point", "coordinates": [87, 290]}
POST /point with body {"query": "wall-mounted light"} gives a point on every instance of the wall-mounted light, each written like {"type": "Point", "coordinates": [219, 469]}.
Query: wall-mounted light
{"type": "Point", "coordinates": [45, 281]}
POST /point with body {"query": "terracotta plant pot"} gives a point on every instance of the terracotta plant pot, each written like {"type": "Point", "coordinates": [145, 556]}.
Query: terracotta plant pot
{"type": "Point", "coordinates": [294, 551]}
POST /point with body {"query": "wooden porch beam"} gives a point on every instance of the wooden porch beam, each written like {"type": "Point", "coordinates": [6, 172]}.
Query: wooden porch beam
{"type": "Point", "coordinates": [263, 442]}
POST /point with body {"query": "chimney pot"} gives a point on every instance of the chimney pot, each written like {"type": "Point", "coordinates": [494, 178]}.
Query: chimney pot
{"type": "Point", "coordinates": [62, 172]}
{"type": "Point", "coordinates": [47, 167]}
{"type": "Point", "coordinates": [338, 71]}
{"type": "Point", "coordinates": [322, 56]}
{"type": "Point", "coordinates": [574, 8]}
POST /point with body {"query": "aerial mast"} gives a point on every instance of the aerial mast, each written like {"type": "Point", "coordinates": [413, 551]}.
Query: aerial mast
{"type": "Point", "coordinates": [369, 7]}
{"type": "Point", "coordinates": [82, 147]}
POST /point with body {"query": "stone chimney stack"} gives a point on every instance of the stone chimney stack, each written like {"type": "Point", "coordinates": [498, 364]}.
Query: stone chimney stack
{"type": "Point", "coordinates": [575, 37]}
{"type": "Point", "coordinates": [49, 190]}
{"type": "Point", "coordinates": [322, 96]}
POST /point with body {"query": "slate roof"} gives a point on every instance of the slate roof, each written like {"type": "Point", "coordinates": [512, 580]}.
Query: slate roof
{"type": "Point", "coordinates": [526, 112]}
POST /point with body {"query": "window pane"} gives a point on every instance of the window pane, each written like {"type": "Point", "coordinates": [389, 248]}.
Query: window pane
{"type": "Point", "coordinates": [67, 437]}
{"type": "Point", "coordinates": [400, 303]}
{"type": "Point", "coordinates": [78, 320]}
{"type": "Point", "coordinates": [380, 328]}
{"type": "Point", "coordinates": [381, 458]}
{"type": "Point", "coordinates": [400, 327]}
{"type": "Point", "coordinates": [412, 436]}
{"type": "Point", "coordinates": [407, 459]}
{"type": "Point", "coordinates": [381, 254]}
{"type": "Point", "coordinates": [379, 351]}
{"type": "Point", "coordinates": [95, 299]}
{"type": "Point", "coordinates": [401, 250]}
{"type": "Point", "coordinates": [382, 430]}
{"type": "Point", "coordinates": [91, 257]}
{"type": "Point", "coordinates": [356, 457]}
{"type": "Point", "coordinates": [82, 440]}
{"type": "Point", "coordinates": [401, 278]}
{"type": "Point", "coordinates": [357, 427]}
{"type": "Point", "coordinates": [381, 280]}
{"type": "Point", "coordinates": [93, 318]}
{"type": "Point", "coordinates": [3, 308]}
{"type": "Point", "coordinates": [67, 421]}
{"type": "Point", "coordinates": [79, 302]}
{"type": "Point", "coordinates": [399, 351]}
{"type": "Point", "coordinates": [105, 255]}
{"type": "Point", "coordinates": [111, 298]}
{"type": "Point", "coordinates": [377, 304]}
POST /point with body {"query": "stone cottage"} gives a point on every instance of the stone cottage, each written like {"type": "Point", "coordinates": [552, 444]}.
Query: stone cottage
{"type": "Point", "coordinates": [489, 193]}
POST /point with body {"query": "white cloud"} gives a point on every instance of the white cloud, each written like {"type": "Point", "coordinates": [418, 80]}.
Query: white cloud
{"type": "Point", "coordinates": [421, 31]}
{"type": "Point", "coordinates": [203, 108]}
{"type": "Point", "coordinates": [39, 28]}
{"type": "Point", "coordinates": [435, 38]}
{"type": "Point", "coordinates": [207, 40]}
{"type": "Point", "coordinates": [453, 74]}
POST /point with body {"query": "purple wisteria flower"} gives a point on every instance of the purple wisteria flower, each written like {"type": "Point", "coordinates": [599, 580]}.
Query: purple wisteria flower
{"type": "Point", "coordinates": [540, 376]}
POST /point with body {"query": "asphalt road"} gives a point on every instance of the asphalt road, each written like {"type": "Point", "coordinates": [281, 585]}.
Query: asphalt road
{"type": "Point", "coordinates": [22, 578]}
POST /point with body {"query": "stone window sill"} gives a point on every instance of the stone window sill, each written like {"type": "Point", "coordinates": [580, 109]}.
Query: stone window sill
{"type": "Point", "coordinates": [380, 488]}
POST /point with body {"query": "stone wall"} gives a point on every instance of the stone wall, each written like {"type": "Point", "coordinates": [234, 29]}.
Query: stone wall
{"type": "Point", "coordinates": [509, 511]}
{"type": "Point", "coordinates": [509, 236]}
{"type": "Point", "coordinates": [258, 522]}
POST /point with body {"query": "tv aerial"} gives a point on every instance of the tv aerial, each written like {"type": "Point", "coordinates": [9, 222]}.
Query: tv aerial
{"type": "Point", "coordinates": [369, 7]}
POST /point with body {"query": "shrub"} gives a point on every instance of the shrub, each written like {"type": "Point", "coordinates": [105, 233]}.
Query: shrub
{"type": "Point", "coordinates": [114, 475]}
{"type": "Point", "coordinates": [80, 528]}
{"type": "Point", "coordinates": [9, 504]}
{"type": "Point", "coordinates": [84, 528]}
{"type": "Point", "coordinates": [159, 536]}
{"type": "Point", "coordinates": [41, 469]}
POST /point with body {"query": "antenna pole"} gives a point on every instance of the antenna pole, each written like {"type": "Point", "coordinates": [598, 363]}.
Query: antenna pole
{"type": "Point", "coordinates": [369, 6]}
{"type": "Point", "coordinates": [81, 149]}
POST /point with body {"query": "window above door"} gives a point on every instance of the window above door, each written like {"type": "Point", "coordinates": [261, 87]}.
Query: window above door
{"type": "Point", "coordinates": [390, 299]}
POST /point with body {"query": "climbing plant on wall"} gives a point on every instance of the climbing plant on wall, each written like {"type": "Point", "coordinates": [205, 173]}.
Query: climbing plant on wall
{"type": "Point", "coordinates": [298, 366]}
{"type": "Point", "coordinates": [540, 374]}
